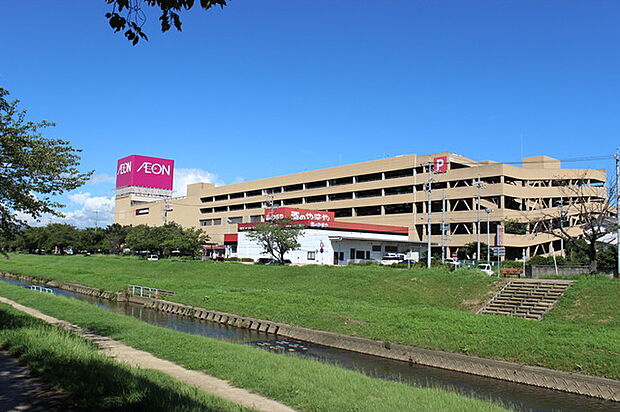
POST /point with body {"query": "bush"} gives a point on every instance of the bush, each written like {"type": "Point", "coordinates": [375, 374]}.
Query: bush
{"type": "Point", "coordinates": [232, 259]}
{"type": "Point", "coordinates": [366, 263]}
{"type": "Point", "coordinates": [247, 259]}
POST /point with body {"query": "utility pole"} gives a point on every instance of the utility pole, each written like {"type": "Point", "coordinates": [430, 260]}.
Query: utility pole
{"type": "Point", "coordinates": [429, 188]}
{"type": "Point", "coordinates": [443, 226]}
{"type": "Point", "coordinates": [617, 156]}
{"type": "Point", "coordinates": [479, 185]}
{"type": "Point", "coordinates": [488, 234]}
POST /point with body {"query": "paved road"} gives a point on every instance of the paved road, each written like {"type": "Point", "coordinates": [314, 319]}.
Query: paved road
{"type": "Point", "coordinates": [19, 391]}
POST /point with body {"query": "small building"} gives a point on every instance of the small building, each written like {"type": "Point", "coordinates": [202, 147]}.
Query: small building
{"type": "Point", "coordinates": [325, 241]}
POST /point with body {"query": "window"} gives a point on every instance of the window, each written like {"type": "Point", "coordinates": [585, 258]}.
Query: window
{"type": "Point", "coordinates": [341, 181]}
{"type": "Point", "coordinates": [237, 195]}
{"type": "Point", "coordinates": [346, 212]}
{"type": "Point", "coordinates": [311, 255]}
{"type": "Point", "coordinates": [144, 211]}
{"type": "Point", "coordinates": [315, 199]}
{"type": "Point", "coordinates": [210, 222]}
{"type": "Point", "coordinates": [316, 185]}
{"type": "Point", "coordinates": [399, 208]}
{"type": "Point", "coordinates": [352, 254]}
{"type": "Point", "coordinates": [294, 201]}
{"type": "Point", "coordinates": [391, 249]}
{"type": "Point", "coordinates": [206, 210]}
{"type": "Point", "coordinates": [394, 174]}
{"type": "Point", "coordinates": [221, 197]}
{"type": "Point", "coordinates": [368, 254]}
{"type": "Point", "coordinates": [206, 199]}
{"type": "Point", "coordinates": [399, 190]}
{"type": "Point", "coordinates": [376, 248]}
{"type": "Point", "coordinates": [359, 254]}
{"type": "Point", "coordinates": [368, 193]}
{"type": "Point", "coordinates": [341, 196]}
{"type": "Point", "coordinates": [256, 218]}
{"type": "Point", "coordinates": [341, 256]}
{"type": "Point", "coordinates": [235, 220]}
{"type": "Point", "coordinates": [221, 209]}
{"type": "Point", "coordinates": [368, 210]}
{"type": "Point", "coordinates": [256, 205]}
{"type": "Point", "coordinates": [254, 193]}
{"type": "Point", "coordinates": [293, 188]}
{"type": "Point", "coordinates": [235, 207]}
{"type": "Point", "coordinates": [369, 178]}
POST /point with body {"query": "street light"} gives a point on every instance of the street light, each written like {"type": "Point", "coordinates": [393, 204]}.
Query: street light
{"type": "Point", "coordinates": [488, 234]}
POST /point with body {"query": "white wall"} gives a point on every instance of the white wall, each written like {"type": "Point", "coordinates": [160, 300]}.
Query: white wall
{"type": "Point", "coordinates": [310, 241]}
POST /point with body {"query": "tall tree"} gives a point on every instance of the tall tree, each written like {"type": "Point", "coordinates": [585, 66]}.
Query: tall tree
{"type": "Point", "coordinates": [33, 168]}
{"type": "Point", "coordinates": [582, 216]}
{"type": "Point", "coordinates": [276, 238]}
{"type": "Point", "coordinates": [129, 16]}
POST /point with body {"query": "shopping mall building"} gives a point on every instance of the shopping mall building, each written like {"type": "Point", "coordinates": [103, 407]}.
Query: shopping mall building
{"type": "Point", "coordinates": [508, 205]}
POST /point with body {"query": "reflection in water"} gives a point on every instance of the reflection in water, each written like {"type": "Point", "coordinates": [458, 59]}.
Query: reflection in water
{"type": "Point", "coordinates": [513, 395]}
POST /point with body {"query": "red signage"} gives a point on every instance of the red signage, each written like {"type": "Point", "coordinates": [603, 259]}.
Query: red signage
{"type": "Point", "coordinates": [317, 216]}
{"type": "Point", "coordinates": [144, 171]}
{"type": "Point", "coordinates": [440, 164]}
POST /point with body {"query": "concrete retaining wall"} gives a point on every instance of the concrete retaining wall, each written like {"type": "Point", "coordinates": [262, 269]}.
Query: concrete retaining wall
{"type": "Point", "coordinates": [509, 371]}
{"type": "Point", "coordinates": [536, 271]}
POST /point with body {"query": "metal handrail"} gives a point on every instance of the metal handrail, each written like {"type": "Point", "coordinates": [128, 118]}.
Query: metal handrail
{"type": "Point", "coordinates": [147, 292]}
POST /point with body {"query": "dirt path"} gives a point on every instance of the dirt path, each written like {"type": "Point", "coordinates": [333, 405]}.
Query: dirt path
{"type": "Point", "coordinates": [141, 359]}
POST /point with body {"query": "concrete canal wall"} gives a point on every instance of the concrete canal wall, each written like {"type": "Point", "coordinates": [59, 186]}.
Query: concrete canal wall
{"type": "Point", "coordinates": [530, 375]}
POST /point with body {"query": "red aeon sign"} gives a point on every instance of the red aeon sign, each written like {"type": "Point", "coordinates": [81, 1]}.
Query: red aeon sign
{"type": "Point", "coordinates": [440, 164]}
{"type": "Point", "coordinates": [144, 171]}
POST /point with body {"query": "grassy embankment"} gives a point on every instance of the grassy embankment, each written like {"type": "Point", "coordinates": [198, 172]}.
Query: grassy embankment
{"type": "Point", "coordinates": [301, 383]}
{"type": "Point", "coordinates": [423, 308]}
{"type": "Point", "coordinates": [72, 365]}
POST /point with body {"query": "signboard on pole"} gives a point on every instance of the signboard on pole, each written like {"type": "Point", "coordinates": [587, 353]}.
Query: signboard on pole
{"type": "Point", "coordinates": [499, 251]}
{"type": "Point", "coordinates": [499, 238]}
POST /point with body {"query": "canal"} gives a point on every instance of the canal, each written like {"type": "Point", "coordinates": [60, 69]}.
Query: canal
{"type": "Point", "coordinates": [512, 395]}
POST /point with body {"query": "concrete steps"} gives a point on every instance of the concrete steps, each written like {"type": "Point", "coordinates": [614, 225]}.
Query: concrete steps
{"type": "Point", "coordinates": [526, 298]}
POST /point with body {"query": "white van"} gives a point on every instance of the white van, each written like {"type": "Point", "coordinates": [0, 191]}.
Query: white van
{"type": "Point", "coordinates": [152, 257]}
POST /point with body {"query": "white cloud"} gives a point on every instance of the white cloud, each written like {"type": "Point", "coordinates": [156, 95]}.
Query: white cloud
{"type": "Point", "coordinates": [184, 177]}
{"type": "Point", "coordinates": [92, 211]}
{"type": "Point", "coordinates": [101, 178]}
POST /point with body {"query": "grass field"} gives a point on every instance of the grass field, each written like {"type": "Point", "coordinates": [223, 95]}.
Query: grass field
{"type": "Point", "coordinates": [301, 383]}
{"type": "Point", "coordinates": [74, 366]}
{"type": "Point", "coordinates": [418, 307]}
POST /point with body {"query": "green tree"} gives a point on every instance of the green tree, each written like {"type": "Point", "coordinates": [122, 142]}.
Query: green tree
{"type": "Point", "coordinates": [129, 16]}
{"type": "Point", "coordinates": [91, 239]}
{"type": "Point", "coordinates": [114, 238]}
{"type": "Point", "coordinates": [33, 168]}
{"type": "Point", "coordinates": [141, 239]}
{"type": "Point", "coordinates": [276, 238]}
{"type": "Point", "coordinates": [60, 237]}
{"type": "Point", "coordinates": [470, 250]}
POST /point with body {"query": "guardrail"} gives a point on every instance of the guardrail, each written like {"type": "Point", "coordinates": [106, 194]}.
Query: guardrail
{"type": "Point", "coordinates": [41, 289]}
{"type": "Point", "coordinates": [147, 292]}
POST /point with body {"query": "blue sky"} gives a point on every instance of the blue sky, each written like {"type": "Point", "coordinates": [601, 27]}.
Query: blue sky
{"type": "Point", "coordinates": [263, 88]}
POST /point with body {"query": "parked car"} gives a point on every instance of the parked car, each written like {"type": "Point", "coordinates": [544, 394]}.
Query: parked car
{"type": "Point", "coordinates": [152, 257]}
{"type": "Point", "coordinates": [486, 268]}
{"type": "Point", "coordinates": [391, 258]}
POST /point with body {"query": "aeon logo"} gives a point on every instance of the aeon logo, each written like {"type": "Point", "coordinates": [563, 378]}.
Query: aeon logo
{"type": "Point", "coordinates": [124, 168]}
{"type": "Point", "coordinates": [154, 168]}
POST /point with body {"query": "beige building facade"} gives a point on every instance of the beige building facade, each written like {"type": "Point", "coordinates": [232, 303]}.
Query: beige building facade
{"type": "Point", "coordinates": [525, 200]}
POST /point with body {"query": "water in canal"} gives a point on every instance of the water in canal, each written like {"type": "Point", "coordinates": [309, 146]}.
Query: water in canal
{"type": "Point", "coordinates": [513, 395]}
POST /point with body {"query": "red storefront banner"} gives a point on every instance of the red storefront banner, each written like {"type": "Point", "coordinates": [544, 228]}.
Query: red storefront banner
{"type": "Point", "coordinates": [316, 219]}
